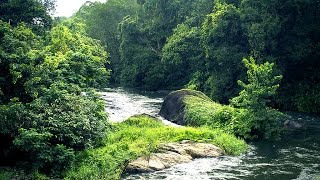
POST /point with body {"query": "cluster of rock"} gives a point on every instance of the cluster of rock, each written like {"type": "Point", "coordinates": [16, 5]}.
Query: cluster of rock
{"type": "Point", "coordinates": [171, 154]}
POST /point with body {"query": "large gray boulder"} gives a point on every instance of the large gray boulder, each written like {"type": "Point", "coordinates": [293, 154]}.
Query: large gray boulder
{"type": "Point", "coordinates": [173, 105]}
{"type": "Point", "coordinates": [171, 154]}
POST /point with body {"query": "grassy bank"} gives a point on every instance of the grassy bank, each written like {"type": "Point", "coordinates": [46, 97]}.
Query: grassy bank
{"type": "Point", "coordinates": [139, 136]}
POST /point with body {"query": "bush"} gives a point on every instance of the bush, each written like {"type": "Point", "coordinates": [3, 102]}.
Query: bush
{"type": "Point", "coordinates": [262, 85]}
{"type": "Point", "coordinates": [76, 121]}
{"type": "Point", "coordinates": [45, 156]}
{"type": "Point", "coordinates": [60, 123]}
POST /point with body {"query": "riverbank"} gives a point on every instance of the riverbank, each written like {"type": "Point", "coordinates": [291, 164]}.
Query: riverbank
{"type": "Point", "coordinates": [295, 157]}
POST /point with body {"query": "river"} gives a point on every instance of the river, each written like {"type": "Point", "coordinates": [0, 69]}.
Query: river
{"type": "Point", "coordinates": [296, 156]}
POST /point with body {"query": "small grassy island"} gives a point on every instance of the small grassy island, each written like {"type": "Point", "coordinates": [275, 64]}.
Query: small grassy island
{"type": "Point", "coordinates": [141, 135]}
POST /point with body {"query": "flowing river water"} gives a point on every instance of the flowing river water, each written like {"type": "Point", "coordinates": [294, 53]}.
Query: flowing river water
{"type": "Point", "coordinates": [296, 156]}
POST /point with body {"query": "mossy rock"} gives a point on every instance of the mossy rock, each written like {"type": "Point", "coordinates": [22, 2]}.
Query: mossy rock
{"type": "Point", "coordinates": [193, 108]}
{"type": "Point", "coordinates": [178, 102]}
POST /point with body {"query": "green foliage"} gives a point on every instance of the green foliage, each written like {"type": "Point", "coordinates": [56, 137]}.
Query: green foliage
{"type": "Point", "coordinates": [284, 32]}
{"type": "Point", "coordinates": [262, 85]}
{"type": "Point", "coordinates": [224, 46]}
{"type": "Point", "coordinates": [197, 80]}
{"type": "Point", "coordinates": [250, 120]}
{"type": "Point", "coordinates": [142, 40]}
{"type": "Point", "coordinates": [6, 175]}
{"type": "Point", "coordinates": [182, 55]}
{"type": "Point", "coordinates": [35, 13]}
{"type": "Point", "coordinates": [44, 156]}
{"type": "Point", "coordinates": [77, 121]}
{"type": "Point", "coordinates": [102, 21]}
{"type": "Point", "coordinates": [140, 136]}
{"type": "Point", "coordinates": [307, 97]}
{"type": "Point", "coordinates": [15, 65]}
{"type": "Point", "coordinates": [201, 111]}
{"type": "Point", "coordinates": [136, 60]}
{"type": "Point", "coordinates": [69, 56]}
{"type": "Point", "coordinates": [9, 174]}
{"type": "Point", "coordinates": [47, 110]}
{"type": "Point", "coordinates": [170, 44]}
{"type": "Point", "coordinates": [255, 95]}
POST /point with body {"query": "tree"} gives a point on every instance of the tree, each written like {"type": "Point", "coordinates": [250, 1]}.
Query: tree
{"type": "Point", "coordinates": [69, 56]}
{"type": "Point", "coordinates": [15, 64]}
{"type": "Point", "coordinates": [262, 84]}
{"type": "Point", "coordinates": [47, 110]}
{"type": "Point", "coordinates": [182, 55]}
{"type": "Point", "coordinates": [102, 20]}
{"type": "Point", "coordinates": [153, 24]}
{"type": "Point", "coordinates": [35, 13]}
{"type": "Point", "coordinates": [224, 45]}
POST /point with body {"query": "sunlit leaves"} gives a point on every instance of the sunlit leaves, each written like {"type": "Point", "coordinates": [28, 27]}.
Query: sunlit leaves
{"type": "Point", "coordinates": [262, 85]}
{"type": "Point", "coordinates": [43, 113]}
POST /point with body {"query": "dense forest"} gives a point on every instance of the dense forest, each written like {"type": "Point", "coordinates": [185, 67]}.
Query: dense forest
{"type": "Point", "coordinates": [249, 54]}
{"type": "Point", "coordinates": [200, 44]}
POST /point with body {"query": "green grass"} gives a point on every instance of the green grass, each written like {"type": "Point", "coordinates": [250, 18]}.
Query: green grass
{"type": "Point", "coordinates": [201, 111]}
{"type": "Point", "coordinates": [141, 136]}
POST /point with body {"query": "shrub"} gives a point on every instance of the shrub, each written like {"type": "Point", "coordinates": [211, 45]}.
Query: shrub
{"type": "Point", "coordinates": [45, 156]}
{"type": "Point", "coordinates": [262, 84]}
{"type": "Point", "coordinates": [60, 123]}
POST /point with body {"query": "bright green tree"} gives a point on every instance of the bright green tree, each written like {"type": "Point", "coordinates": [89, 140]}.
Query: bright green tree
{"type": "Point", "coordinates": [262, 85]}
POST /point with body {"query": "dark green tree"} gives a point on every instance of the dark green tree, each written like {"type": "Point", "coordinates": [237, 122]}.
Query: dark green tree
{"type": "Point", "coordinates": [183, 56]}
{"type": "Point", "coordinates": [32, 12]}
{"type": "Point", "coordinates": [102, 21]}
{"type": "Point", "coordinates": [224, 45]}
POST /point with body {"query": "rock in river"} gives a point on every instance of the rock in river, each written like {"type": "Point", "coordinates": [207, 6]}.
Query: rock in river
{"type": "Point", "coordinates": [173, 105]}
{"type": "Point", "coordinates": [292, 125]}
{"type": "Point", "coordinates": [171, 154]}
